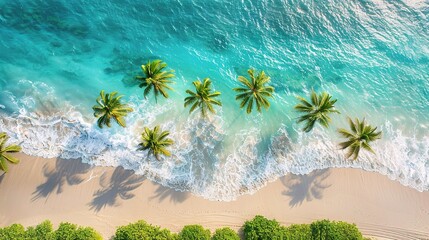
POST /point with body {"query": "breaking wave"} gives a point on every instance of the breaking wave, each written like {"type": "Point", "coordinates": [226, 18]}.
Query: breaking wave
{"type": "Point", "coordinates": [201, 162]}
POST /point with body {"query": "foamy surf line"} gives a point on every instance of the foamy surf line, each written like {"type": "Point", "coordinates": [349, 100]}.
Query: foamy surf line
{"type": "Point", "coordinates": [194, 167]}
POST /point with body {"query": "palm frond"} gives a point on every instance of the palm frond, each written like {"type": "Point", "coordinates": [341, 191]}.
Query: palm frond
{"type": "Point", "coordinates": [254, 91]}
{"type": "Point", "coordinates": [155, 77]}
{"type": "Point", "coordinates": [12, 148]}
{"type": "Point", "coordinates": [110, 106]}
{"type": "Point", "coordinates": [11, 158]}
{"type": "Point", "coordinates": [249, 105]}
{"type": "Point", "coordinates": [5, 149]}
{"type": "Point", "coordinates": [360, 137]}
{"type": "Point", "coordinates": [155, 141]}
{"type": "Point", "coordinates": [316, 110]}
{"type": "Point", "coordinates": [203, 97]}
{"type": "Point", "coordinates": [3, 164]}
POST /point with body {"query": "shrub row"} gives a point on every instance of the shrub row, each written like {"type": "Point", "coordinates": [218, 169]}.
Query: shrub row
{"type": "Point", "coordinates": [259, 228]}
{"type": "Point", "coordinates": [45, 231]}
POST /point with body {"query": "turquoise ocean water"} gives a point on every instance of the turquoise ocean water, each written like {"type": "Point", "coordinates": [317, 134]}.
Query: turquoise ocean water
{"type": "Point", "coordinates": [372, 55]}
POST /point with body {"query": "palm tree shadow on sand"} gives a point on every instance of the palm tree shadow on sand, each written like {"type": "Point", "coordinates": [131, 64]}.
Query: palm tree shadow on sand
{"type": "Point", "coordinates": [63, 172]}
{"type": "Point", "coordinates": [2, 176]}
{"type": "Point", "coordinates": [162, 193]}
{"type": "Point", "coordinates": [120, 185]}
{"type": "Point", "coordinates": [305, 187]}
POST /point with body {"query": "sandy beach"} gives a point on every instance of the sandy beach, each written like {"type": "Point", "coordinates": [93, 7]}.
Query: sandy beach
{"type": "Point", "coordinates": [107, 197]}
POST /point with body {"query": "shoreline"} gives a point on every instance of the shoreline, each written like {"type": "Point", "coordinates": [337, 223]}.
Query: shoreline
{"type": "Point", "coordinates": [105, 197]}
{"type": "Point", "coordinates": [319, 150]}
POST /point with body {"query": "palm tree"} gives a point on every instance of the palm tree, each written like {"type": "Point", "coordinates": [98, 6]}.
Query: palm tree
{"type": "Point", "coordinates": [110, 106]}
{"type": "Point", "coordinates": [156, 142]}
{"type": "Point", "coordinates": [203, 97]}
{"type": "Point", "coordinates": [4, 150]}
{"type": "Point", "coordinates": [316, 111]}
{"type": "Point", "coordinates": [155, 77]}
{"type": "Point", "coordinates": [360, 136]}
{"type": "Point", "coordinates": [254, 89]}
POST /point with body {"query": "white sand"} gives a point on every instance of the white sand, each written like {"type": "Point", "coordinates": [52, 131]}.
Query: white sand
{"type": "Point", "coordinates": [67, 190]}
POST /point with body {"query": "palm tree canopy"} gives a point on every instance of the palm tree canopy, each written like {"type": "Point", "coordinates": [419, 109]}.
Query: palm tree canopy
{"type": "Point", "coordinates": [254, 90]}
{"type": "Point", "coordinates": [110, 106]}
{"type": "Point", "coordinates": [156, 142]}
{"type": "Point", "coordinates": [203, 97]}
{"type": "Point", "coordinates": [4, 152]}
{"type": "Point", "coordinates": [360, 136]}
{"type": "Point", "coordinates": [317, 110]}
{"type": "Point", "coordinates": [156, 78]}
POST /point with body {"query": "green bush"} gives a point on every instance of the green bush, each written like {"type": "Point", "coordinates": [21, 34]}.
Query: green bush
{"type": "Point", "coordinates": [327, 230]}
{"type": "Point", "coordinates": [86, 233]}
{"type": "Point", "coordinates": [69, 231]}
{"type": "Point", "coordinates": [142, 230]}
{"type": "Point", "coordinates": [260, 228]}
{"type": "Point", "coordinates": [44, 231]}
{"type": "Point", "coordinates": [41, 232]}
{"type": "Point", "coordinates": [225, 234]}
{"type": "Point", "coordinates": [14, 231]}
{"type": "Point", "coordinates": [298, 232]}
{"type": "Point", "coordinates": [194, 232]}
{"type": "Point", "coordinates": [65, 231]}
{"type": "Point", "coordinates": [348, 231]}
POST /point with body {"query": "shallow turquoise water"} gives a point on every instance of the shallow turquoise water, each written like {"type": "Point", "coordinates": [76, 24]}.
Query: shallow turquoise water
{"type": "Point", "coordinates": [373, 56]}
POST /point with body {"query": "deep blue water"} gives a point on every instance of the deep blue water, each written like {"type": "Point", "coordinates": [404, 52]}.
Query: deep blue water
{"type": "Point", "coordinates": [373, 56]}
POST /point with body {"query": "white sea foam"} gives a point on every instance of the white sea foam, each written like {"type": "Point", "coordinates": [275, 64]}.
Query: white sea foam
{"type": "Point", "coordinates": [206, 158]}
{"type": "Point", "coordinates": [202, 164]}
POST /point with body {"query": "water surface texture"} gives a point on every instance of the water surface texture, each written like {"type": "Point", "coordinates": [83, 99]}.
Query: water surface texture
{"type": "Point", "coordinates": [373, 56]}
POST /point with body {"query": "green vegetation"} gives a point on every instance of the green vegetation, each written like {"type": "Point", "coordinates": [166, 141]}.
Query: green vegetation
{"type": "Point", "coordinates": [360, 136]}
{"type": "Point", "coordinates": [156, 142]}
{"type": "Point", "coordinates": [225, 233]}
{"type": "Point", "coordinates": [110, 106]}
{"type": "Point", "coordinates": [327, 230]}
{"type": "Point", "coordinates": [71, 231]}
{"type": "Point", "coordinates": [203, 97]}
{"type": "Point", "coordinates": [142, 230]}
{"type": "Point", "coordinates": [194, 232]}
{"type": "Point", "coordinates": [44, 231]}
{"type": "Point", "coordinates": [40, 231]}
{"type": "Point", "coordinates": [298, 232]}
{"type": "Point", "coordinates": [255, 89]}
{"type": "Point", "coordinates": [5, 157]}
{"type": "Point", "coordinates": [14, 231]}
{"type": "Point", "coordinates": [156, 78]}
{"type": "Point", "coordinates": [259, 228]}
{"type": "Point", "coordinates": [316, 111]}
